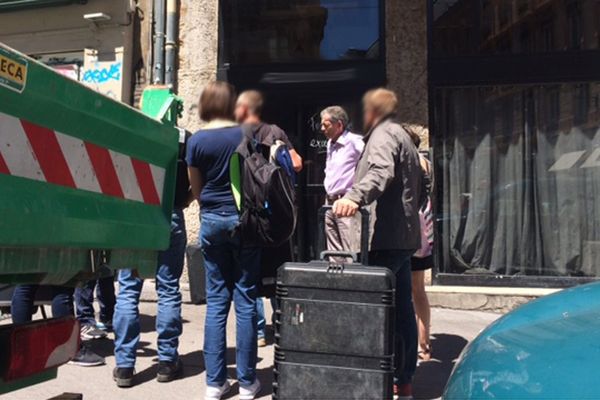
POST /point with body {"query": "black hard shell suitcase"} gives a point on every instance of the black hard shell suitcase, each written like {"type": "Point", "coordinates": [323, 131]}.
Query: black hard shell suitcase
{"type": "Point", "coordinates": [334, 328]}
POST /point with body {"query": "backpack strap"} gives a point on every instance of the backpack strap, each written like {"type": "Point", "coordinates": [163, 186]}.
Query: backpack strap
{"type": "Point", "coordinates": [235, 180]}
{"type": "Point", "coordinates": [236, 163]}
{"type": "Point", "coordinates": [247, 131]}
{"type": "Point", "coordinates": [249, 138]}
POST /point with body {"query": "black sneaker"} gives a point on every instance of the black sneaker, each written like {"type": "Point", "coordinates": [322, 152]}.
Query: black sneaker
{"type": "Point", "coordinates": [169, 371]}
{"type": "Point", "coordinates": [87, 358]}
{"type": "Point", "coordinates": [123, 377]}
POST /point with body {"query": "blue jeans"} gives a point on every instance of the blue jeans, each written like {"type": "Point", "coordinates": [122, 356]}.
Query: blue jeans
{"type": "Point", "coordinates": [22, 302]}
{"type": "Point", "coordinates": [406, 337]}
{"type": "Point", "coordinates": [84, 300]}
{"type": "Point", "coordinates": [261, 321]}
{"type": "Point", "coordinates": [232, 273]}
{"type": "Point", "coordinates": [260, 316]}
{"type": "Point", "coordinates": [126, 322]}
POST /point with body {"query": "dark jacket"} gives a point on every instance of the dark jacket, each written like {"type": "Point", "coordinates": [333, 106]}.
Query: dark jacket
{"type": "Point", "coordinates": [389, 180]}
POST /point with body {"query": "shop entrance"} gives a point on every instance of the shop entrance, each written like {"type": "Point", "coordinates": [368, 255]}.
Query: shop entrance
{"type": "Point", "coordinates": [300, 118]}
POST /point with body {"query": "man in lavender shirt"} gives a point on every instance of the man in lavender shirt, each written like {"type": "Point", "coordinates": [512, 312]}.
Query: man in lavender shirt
{"type": "Point", "coordinates": [343, 152]}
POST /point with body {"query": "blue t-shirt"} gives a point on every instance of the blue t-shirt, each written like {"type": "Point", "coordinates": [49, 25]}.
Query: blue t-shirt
{"type": "Point", "coordinates": [209, 150]}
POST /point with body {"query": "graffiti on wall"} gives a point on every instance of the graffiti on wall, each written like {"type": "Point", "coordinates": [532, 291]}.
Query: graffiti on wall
{"type": "Point", "coordinates": [103, 72]}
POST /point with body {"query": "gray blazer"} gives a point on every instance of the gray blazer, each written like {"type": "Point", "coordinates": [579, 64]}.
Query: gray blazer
{"type": "Point", "coordinates": [388, 180]}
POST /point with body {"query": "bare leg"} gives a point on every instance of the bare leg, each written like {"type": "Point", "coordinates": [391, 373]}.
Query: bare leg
{"type": "Point", "coordinates": [422, 311]}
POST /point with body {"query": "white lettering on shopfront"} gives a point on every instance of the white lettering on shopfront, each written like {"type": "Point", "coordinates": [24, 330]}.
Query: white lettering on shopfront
{"type": "Point", "coordinates": [572, 159]}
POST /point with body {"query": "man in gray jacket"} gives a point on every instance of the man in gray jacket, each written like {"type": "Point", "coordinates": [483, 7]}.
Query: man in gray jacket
{"type": "Point", "coordinates": [389, 180]}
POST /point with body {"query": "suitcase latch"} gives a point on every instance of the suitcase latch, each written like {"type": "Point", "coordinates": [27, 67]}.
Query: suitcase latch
{"type": "Point", "coordinates": [334, 268]}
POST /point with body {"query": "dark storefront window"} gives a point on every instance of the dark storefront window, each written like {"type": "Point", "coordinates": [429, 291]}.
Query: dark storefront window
{"type": "Point", "coordinates": [289, 31]}
{"type": "Point", "coordinates": [471, 27]}
{"type": "Point", "coordinates": [515, 116]}
{"type": "Point", "coordinates": [521, 179]}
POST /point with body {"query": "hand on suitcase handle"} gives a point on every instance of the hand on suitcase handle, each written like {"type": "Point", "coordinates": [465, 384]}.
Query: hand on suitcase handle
{"type": "Point", "coordinates": [345, 208]}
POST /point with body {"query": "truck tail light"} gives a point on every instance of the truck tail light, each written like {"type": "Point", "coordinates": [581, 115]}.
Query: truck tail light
{"type": "Point", "coordinates": [38, 346]}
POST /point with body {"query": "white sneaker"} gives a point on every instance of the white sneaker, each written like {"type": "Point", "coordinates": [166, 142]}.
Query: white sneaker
{"type": "Point", "coordinates": [216, 392]}
{"type": "Point", "coordinates": [250, 392]}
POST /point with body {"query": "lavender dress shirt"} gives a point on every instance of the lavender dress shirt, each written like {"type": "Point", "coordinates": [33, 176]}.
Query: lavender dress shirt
{"type": "Point", "coordinates": [342, 157]}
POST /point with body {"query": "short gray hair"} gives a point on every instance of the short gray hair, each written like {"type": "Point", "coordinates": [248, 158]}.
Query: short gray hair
{"type": "Point", "coordinates": [337, 114]}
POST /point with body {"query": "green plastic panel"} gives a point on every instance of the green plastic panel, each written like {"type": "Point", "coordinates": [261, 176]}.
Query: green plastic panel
{"type": "Point", "coordinates": [161, 103]}
{"type": "Point", "coordinates": [6, 387]}
{"type": "Point", "coordinates": [67, 266]}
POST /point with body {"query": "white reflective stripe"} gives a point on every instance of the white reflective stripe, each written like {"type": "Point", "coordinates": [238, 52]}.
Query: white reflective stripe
{"type": "Point", "coordinates": [158, 175]}
{"type": "Point", "coordinates": [79, 162]}
{"type": "Point", "coordinates": [593, 160]}
{"type": "Point", "coordinates": [129, 183]}
{"type": "Point", "coordinates": [566, 161]}
{"type": "Point", "coordinates": [16, 150]}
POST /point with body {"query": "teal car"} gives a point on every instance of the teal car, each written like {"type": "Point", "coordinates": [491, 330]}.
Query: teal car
{"type": "Point", "coordinates": [546, 349]}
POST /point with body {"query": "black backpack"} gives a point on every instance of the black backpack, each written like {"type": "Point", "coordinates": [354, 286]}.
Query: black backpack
{"type": "Point", "coordinates": [264, 194]}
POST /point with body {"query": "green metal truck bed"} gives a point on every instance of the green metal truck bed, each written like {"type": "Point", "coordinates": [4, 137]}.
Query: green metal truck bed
{"type": "Point", "coordinates": [78, 172]}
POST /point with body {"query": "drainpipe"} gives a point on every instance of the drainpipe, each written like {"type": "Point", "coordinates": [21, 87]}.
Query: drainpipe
{"type": "Point", "coordinates": [158, 64]}
{"type": "Point", "coordinates": [171, 43]}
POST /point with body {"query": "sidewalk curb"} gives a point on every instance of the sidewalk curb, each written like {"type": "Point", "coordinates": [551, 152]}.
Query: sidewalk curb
{"type": "Point", "coordinates": [479, 298]}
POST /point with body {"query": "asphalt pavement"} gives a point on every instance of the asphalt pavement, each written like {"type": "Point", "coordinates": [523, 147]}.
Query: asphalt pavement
{"type": "Point", "coordinates": [451, 331]}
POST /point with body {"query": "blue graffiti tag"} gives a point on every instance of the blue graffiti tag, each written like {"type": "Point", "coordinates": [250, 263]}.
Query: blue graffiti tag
{"type": "Point", "coordinates": [102, 75]}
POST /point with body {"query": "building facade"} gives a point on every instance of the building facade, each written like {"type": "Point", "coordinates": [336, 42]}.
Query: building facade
{"type": "Point", "coordinates": [509, 88]}
{"type": "Point", "coordinates": [305, 55]}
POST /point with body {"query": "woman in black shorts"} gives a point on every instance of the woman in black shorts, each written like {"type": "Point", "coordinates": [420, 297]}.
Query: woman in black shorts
{"type": "Point", "coordinates": [421, 262]}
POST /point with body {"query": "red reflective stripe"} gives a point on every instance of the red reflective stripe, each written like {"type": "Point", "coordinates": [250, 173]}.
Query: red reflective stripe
{"type": "Point", "coordinates": [3, 167]}
{"type": "Point", "coordinates": [49, 154]}
{"type": "Point", "coordinates": [145, 181]}
{"type": "Point", "coordinates": [105, 170]}
{"type": "Point", "coordinates": [36, 347]}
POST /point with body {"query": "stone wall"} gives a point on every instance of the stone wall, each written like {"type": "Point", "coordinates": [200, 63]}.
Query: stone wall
{"type": "Point", "coordinates": [197, 54]}
{"type": "Point", "coordinates": [406, 61]}
{"type": "Point", "coordinates": [197, 65]}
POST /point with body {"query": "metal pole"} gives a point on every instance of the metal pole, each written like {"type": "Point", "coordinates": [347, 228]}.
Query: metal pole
{"type": "Point", "coordinates": [159, 42]}
{"type": "Point", "coordinates": [171, 43]}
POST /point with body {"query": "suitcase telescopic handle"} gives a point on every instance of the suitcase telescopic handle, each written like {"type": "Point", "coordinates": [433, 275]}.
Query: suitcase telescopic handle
{"type": "Point", "coordinates": [364, 235]}
{"type": "Point", "coordinates": [332, 253]}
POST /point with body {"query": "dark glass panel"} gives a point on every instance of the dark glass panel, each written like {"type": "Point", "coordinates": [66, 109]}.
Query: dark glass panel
{"type": "Point", "coordinates": [267, 31]}
{"type": "Point", "coordinates": [476, 27]}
